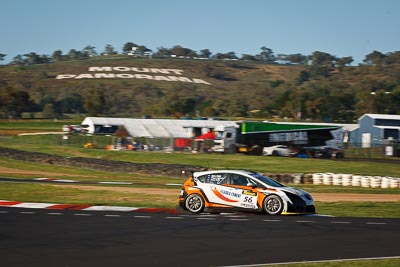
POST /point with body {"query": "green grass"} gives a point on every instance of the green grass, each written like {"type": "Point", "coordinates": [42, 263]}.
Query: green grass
{"type": "Point", "coordinates": [53, 125]}
{"type": "Point", "coordinates": [36, 170]}
{"type": "Point", "coordinates": [28, 192]}
{"type": "Point", "coordinates": [45, 193]}
{"type": "Point", "coordinates": [359, 209]}
{"type": "Point", "coordinates": [53, 144]}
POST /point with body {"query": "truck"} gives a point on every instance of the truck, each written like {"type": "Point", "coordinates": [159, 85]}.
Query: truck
{"type": "Point", "coordinates": [251, 137]}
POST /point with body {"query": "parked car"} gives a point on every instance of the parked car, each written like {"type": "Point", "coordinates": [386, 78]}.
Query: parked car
{"type": "Point", "coordinates": [324, 152]}
{"type": "Point", "coordinates": [278, 150]}
{"type": "Point", "coordinates": [213, 191]}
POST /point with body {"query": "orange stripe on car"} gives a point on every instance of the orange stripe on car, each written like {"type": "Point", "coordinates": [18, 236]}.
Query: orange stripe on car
{"type": "Point", "coordinates": [218, 194]}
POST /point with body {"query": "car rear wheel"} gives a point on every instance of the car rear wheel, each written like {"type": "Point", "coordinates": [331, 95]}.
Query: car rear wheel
{"type": "Point", "coordinates": [194, 203]}
{"type": "Point", "coordinates": [273, 205]}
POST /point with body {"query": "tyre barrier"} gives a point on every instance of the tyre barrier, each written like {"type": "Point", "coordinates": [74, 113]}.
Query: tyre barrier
{"type": "Point", "coordinates": [347, 179]}
{"type": "Point", "coordinates": [338, 179]}
{"type": "Point", "coordinates": [356, 180]}
{"type": "Point", "coordinates": [317, 178]}
{"type": "Point", "coordinates": [365, 181]}
{"type": "Point", "coordinates": [327, 178]}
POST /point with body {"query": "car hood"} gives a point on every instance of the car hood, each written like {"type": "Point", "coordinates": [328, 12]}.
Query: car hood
{"type": "Point", "coordinates": [295, 191]}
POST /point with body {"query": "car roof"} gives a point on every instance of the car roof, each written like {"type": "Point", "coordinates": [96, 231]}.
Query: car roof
{"type": "Point", "coordinates": [221, 171]}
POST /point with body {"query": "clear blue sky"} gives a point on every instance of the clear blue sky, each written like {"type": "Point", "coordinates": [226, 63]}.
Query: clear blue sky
{"type": "Point", "coordinates": [339, 27]}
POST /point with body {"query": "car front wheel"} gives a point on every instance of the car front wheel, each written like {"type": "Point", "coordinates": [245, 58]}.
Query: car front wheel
{"type": "Point", "coordinates": [273, 205]}
{"type": "Point", "coordinates": [194, 203]}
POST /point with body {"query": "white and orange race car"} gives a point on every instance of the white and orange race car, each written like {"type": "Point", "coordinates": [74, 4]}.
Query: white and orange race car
{"type": "Point", "coordinates": [215, 191]}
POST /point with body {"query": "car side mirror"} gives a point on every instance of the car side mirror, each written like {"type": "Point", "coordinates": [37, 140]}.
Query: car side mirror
{"type": "Point", "coordinates": [251, 185]}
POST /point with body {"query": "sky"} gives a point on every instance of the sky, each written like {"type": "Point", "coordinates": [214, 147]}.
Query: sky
{"type": "Point", "coordinates": [339, 27]}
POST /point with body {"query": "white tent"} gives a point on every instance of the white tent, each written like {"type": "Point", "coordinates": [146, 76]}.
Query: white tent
{"type": "Point", "coordinates": [152, 128]}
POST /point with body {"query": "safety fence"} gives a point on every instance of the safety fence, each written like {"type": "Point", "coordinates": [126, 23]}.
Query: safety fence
{"type": "Point", "coordinates": [112, 142]}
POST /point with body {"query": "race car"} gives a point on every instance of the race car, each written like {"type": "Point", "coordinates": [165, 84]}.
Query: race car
{"type": "Point", "coordinates": [221, 190]}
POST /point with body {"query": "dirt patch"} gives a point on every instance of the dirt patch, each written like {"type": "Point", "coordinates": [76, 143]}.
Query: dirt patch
{"type": "Point", "coordinates": [321, 197]}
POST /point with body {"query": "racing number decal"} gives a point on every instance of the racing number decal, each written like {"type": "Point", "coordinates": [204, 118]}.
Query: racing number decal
{"type": "Point", "coordinates": [248, 199]}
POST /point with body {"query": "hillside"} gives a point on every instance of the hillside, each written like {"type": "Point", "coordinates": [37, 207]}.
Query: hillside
{"type": "Point", "coordinates": [134, 87]}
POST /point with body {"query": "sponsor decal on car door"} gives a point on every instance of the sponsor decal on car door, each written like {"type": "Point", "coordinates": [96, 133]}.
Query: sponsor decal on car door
{"type": "Point", "coordinates": [233, 196]}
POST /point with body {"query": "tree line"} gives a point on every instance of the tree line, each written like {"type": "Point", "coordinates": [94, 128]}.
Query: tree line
{"type": "Point", "coordinates": [266, 55]}
{"type": "Point", "coordinates": [325, 88]}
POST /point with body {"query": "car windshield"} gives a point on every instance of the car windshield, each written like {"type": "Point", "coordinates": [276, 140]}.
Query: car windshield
{"type": "Point", "coordinates": [266, 180]}
{"type": "Point", "coordinates": [218, 135]}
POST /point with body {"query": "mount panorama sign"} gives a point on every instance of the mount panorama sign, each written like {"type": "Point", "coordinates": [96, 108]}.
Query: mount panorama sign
{"type": "Point", "coordinates": [155, 74]}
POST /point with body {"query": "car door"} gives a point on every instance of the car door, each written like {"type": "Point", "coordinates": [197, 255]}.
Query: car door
{"type": "Point", "coordinates": [230, 190]}
{"type": "Point", "coordinates": [216, 189]}
{"type": "Point", "coordinates": [246, 187]}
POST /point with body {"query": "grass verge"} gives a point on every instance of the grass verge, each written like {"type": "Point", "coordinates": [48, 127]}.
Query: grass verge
{"type": "Point", "coordinates": [167, 197]}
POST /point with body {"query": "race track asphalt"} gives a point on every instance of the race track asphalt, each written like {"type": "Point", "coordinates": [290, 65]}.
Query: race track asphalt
{"type": "Point", "coordinates": [40, 237]}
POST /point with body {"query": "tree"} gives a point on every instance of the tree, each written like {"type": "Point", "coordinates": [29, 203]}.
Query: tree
{"type": "Point", "coordinates": [72, 103]}
{"type": "Point", "coordinates": [109, 50]}
{"type": "Point", "coordinates": [375, 58]}
{"type": "Point", "coordinates": [33, 58]}
{"type": "Point", "coordinates": [297, 59]}
{"type": "Point", "coordinates": [18, 60]}
{"type": "Point", "coordinates": [322, 59]}
{"type": "Point", "coordinates": [94, 101]}
{"type": "Point", "coordinates": [75, 54]}
{"type": "Point", "coordinates": [162, 52]}
{"type": "Point", "coordinates": [205, 53]}
{"type": "Point", "coordinates": [57, 55]}
{"type": "Point", "coordinates": [50, 101]}
{"type": "Point", "coordinates": [322, 63]}
{"type": "Point", "coordinates": [2, 56]}
{"type": "Point", "coordinates": [266, 55]}
{"type": "Point", "coordinates": [178, 104]}
{"type": "Point", "coordinates": [13, 102]}
{"type": "Point", "coordinates": [303, 77]}
{"type": "Point", "coordinates": [182, 51]}
{"type": "Point", "coordinates": [89, 51]}
{"type": "Point", "coordinates": [143, 49]}
{"type": "Point", "coordinates": [342, 62]}
{"type": "Point", "coordinates": [128, 47]}
{"type": "Point", "coordinates": [49, 111]}
{"type": "Point", "coordinates": [392, 58]}
{"type": "Point", "coordinates": [247, 57]}
{"type": "Point", "coordinates": [229, 55]}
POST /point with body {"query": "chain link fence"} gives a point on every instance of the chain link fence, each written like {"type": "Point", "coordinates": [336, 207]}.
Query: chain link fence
{"type": "Point", "coordinates": [388, 151]}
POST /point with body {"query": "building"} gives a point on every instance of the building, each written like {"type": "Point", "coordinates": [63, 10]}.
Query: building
{"type": "Point", "coordinates": [376, 130]}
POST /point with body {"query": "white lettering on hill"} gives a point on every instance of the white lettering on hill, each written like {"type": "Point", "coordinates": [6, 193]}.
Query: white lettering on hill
{"type": "Point", "coordinates": [121, 72]}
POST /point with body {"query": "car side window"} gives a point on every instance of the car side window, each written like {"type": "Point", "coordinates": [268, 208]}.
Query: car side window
{"type": "Point", "coordinates": [237, 179]}
{"type": "Point", "coordinates": [254, 183]}
{"type": "Point", "coordinates": [216, 178]}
